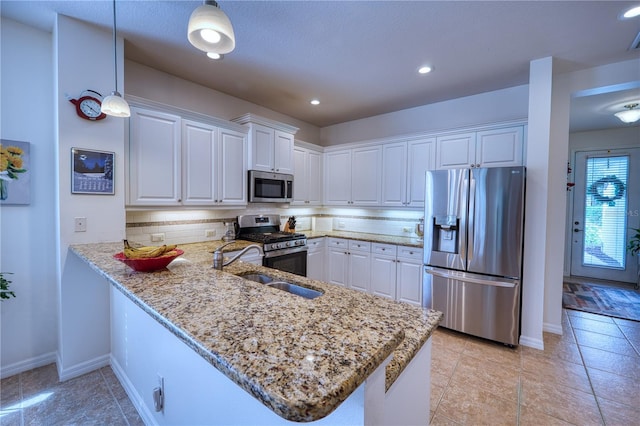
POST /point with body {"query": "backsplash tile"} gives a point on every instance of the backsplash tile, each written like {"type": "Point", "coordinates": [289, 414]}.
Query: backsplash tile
{"type": "Point", "coordinates": [190, 226]}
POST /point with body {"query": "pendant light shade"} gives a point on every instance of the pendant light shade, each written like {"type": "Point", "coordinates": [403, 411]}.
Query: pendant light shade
{"type": "Point", "coordinates": [631, 115]}
{"type": "Point", "coordinates": [114, 104]}
{"type": "Point", "coordinates": [210, 29]}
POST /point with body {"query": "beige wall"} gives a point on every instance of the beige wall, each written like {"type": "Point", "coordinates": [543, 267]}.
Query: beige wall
{"type": "Point", "coordinates": [158, 86]}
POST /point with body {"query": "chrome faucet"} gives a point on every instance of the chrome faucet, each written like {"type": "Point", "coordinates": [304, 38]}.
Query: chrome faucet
{"type": "Point", "coordinates": [218, 257]}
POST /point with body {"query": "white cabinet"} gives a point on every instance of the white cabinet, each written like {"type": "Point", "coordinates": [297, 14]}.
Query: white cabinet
{"type": "Point", "coordinates": [315, 258]}
{"type": "Point", "coordinates": [338, 261]}
{"type": "Point", "coordinates": [489, 148]}
{"type": "Point", "coordinates": [270, 144]}
{"type": "Point", "coordinates": [409, 275]}
{"type": "Point", "coordinates": [307, 182]}
{"type": "Point", "coordinates": [352, 177]}
{"type": "Point", "coordinates": [404, 165]}
{"type": "Point", "coordinates": [154, 159]}
{"type": "Point", "coordinates": [349, 263]}
{"type": "Point", "coordinates": [173, 161]}
{"type": "Point", "coordinates": [359, 265]}
{"type": "Point", "coordinates": [500, 147]}
{"type": "Point", "coordinates": [383, 270]}
{"type": "Point", "coordinates": [214, 165]}
{"type": "Point", "coordinates": [396, 273]}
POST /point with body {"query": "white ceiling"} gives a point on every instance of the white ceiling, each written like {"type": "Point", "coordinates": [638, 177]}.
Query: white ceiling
{"type": "Point", "coordinates": [360, 57]}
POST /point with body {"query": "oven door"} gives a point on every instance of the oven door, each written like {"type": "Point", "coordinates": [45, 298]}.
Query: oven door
{"type": "Point", "coordinates": [292, 260]}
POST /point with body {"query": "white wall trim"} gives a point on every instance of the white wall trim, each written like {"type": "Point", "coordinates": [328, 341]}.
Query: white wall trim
{"type": "Point", "coordinates": [552, 328]}
{"type": "Point", "coordinates": [133, 395]}
{"type": "Point", "coordinates": [531, 342]}
{"type": "Point", "coordinates": [82, 368]}
{"type": "Point", "coordinates": [28, 364]}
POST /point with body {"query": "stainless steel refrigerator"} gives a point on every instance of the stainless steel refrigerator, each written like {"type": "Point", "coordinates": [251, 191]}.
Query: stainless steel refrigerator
{"type": "Point", "coordinates": [473, 235]}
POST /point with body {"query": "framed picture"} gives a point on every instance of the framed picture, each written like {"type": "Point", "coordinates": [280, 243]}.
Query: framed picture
{"type": "Point", "coordinates": [15, 172]}
{"type": "Point", "coordinates": [92, 172]}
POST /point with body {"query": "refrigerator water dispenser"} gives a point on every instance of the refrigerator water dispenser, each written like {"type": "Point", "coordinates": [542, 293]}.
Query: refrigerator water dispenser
{"type": "Point", "coordinates": [445, 234]}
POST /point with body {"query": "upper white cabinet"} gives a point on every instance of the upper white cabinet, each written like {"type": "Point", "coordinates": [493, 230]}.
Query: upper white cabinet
{"type": "Point", "coordinates": [307, 182]}
{"type": "Point", "coordinates": [488, 148]}
{"type": "Point", "coordinates": [178, 161]}
{"type": "Point", "coordinates": [154, 160]}
{"type": "Point", "coordinates": [352, 177]}
{"type": "Point", "coordinates": [404, 165]}
{"type": "Point", "coordinates": [270, 144]}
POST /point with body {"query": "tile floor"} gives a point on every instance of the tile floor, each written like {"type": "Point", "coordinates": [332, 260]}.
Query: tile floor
{"type": "Point", "coordinates": [588, 376]}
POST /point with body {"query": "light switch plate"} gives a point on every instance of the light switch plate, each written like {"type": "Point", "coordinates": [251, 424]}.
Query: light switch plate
{"type": "Point", "coordinates": [155, 238]}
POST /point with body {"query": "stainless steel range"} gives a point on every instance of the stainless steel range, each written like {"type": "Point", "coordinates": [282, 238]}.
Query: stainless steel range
{"type": "Point", "coordinates": [282, 250]}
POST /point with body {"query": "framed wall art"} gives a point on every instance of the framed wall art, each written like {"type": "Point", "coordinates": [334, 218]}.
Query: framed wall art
{"type": "Point", "coordinates": [15, 172]}
{"type": "Point", "coordinates": [92, 172]}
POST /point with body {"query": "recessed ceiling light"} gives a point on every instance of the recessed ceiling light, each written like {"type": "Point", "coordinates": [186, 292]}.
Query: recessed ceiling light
{"type": "Point", "coordinates": [314, 102]}
{"type": "Point", "coordinates": [214, 55]}
{"type": "Point", "coordinates": [424, 70]}
{"type": "Point", "coordinates": [632, 13]}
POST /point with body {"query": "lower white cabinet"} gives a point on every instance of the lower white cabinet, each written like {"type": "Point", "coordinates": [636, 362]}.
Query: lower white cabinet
{"type": "Point", "coordinates": [409, 275]}
{"type": "Point", "coordinates": [383, 270]}
{"type": "Point", "coordinates": [349, 263]}
{"type": "Point", "coordinates": [386, 270]}
{"type": "Point", "coordinates": [315, 259]}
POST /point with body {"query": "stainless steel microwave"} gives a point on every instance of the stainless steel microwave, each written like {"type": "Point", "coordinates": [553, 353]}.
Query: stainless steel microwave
{"type": "Point", "coordinates": [268, 187]}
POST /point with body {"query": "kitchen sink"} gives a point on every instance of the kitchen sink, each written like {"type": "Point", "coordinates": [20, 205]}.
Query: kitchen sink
{"type": "Point", "coordinates": [259, 278]}
{"type": "Point", "coordinates": [305, 292]}
{"type": "Point", "coordinates": [298, 290]}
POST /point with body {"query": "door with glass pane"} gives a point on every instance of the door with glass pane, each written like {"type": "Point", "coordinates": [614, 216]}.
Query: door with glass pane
{"type": "Point", "coordinates": [606, 205]}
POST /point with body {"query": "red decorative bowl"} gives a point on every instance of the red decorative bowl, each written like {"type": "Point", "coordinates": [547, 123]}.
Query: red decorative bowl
{"type": "Point", "coordinates": [149, 264]}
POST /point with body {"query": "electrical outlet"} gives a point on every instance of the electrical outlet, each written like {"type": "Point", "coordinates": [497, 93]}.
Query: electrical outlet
{"type": "Point", "coordinates": [155, 238]}
{"type": "Point", "coordinates": [209, 233]}
{"type": "Point", "coordinates": [406, 230]}
{"type": "Point", "coordinates": [80, 224]}
{"type": "Point", "coordinates": [341, 225]}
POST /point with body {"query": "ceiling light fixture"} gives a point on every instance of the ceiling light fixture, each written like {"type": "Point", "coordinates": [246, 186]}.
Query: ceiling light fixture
{"type": "Point", "coordinates": [631, 115]}
{"type": "Point", "coordinates": [214, 55]}
{"type": "Point", "coordinates": [632, 13]}
{"type": "Point", "coordinates": [314, 102]}
{"type": "Point", "coordinates": [114, 104]}
{"type": "Point", "coordinates": [424, 70]}
{"type": "Point", "coordinates": [210, 29]}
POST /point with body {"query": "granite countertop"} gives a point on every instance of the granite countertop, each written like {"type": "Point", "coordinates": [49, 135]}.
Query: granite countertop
{"type": "Point", "coordinates": [299, 357]}
{"type": "Point", "coordinates": [362, 236]}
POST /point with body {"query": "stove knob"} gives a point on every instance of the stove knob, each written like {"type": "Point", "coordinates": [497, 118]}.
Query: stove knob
{"type": "Point", "coordinates": [280, 245]}
{"type": "Point", "coordinates": [290, 243]}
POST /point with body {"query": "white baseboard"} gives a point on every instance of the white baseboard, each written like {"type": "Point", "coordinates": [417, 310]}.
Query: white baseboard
{"type": "Point", "coordinates": [531, 342]}
{"type": "Point", "coordinates": [552, 328]}
{"type": "Point", "coordinates": [82, 368]}
{"type": "Point", "coordinates": [27, 364]}
{"type": "Point", "coordinates": [134, 396]}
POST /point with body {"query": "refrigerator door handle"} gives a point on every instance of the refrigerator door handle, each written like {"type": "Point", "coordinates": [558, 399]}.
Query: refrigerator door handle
{"type": "Point", "coordinates": [471, 218]}
{"type": "Point", "coordinates": [462, 242]}
{"type": "Point", "coordinates": [470, 278]}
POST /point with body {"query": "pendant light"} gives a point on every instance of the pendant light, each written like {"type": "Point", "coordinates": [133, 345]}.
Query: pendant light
{"type": "Point", "coordinates": [631, 115]}
{"type": "Point", "coordinates": [210, 29]}
{"type": "Point", "coordinates": [114, 104]}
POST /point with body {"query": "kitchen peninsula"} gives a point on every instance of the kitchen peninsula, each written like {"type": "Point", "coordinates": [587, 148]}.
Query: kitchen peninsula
{"type": "Point", "coordinates": [342, 358]}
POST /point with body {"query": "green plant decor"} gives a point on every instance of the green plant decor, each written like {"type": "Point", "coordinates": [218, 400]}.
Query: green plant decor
{"type": "Point", "coordinates": [634, 243]}
{"type": "Point", "coordinates": [5, 293]}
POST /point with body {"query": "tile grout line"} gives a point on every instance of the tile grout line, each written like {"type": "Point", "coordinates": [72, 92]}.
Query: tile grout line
{"type": "Point", "coordinates": [584, 364]}
{"type": "Point", "coordinates": [124, 416]}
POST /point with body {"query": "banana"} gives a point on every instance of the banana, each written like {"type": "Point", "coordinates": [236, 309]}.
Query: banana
{"type": "Point", "coordinates": [148, 251]}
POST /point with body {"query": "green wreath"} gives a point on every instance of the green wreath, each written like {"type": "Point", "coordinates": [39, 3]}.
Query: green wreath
{"type": "Point", "coordinates": [598, 186]}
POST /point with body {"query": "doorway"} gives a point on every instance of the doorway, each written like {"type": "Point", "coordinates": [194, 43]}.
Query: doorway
{"type": "Point", "coordinates": [605, 207]}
